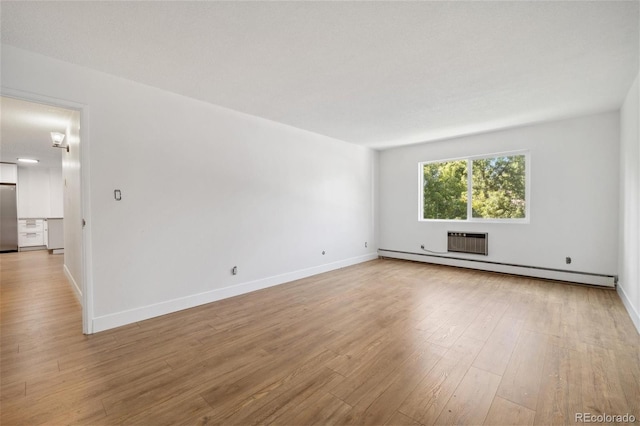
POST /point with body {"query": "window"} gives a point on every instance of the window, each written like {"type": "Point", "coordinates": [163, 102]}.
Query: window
{"type": "Point", "coordinates": [480, 188]}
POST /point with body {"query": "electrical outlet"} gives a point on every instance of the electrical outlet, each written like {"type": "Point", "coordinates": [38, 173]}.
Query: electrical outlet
{"type": "Point", "coordinates": [568, 260]}
{"type": "Point", "coordinates": [365, 244]}
{"type": "Point", "coordinates": [234, 270]}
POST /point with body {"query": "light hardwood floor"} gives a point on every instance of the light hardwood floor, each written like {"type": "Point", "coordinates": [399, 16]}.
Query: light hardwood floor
{"type": "Point", "coordinates": [384, 342]}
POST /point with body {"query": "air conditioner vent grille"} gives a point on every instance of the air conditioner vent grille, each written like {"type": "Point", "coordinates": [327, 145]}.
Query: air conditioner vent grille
{"type": "Point", "coordinates": [468, 242]}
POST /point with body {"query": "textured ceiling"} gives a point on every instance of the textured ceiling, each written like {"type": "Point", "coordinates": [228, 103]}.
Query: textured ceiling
{"type": "Point", "coordinates": [26, 132]}
{"type": "Point", "coordinates": [379, 74]}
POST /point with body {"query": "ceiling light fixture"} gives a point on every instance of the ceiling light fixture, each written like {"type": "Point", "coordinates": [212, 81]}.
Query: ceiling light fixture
{"type": "Point", "coordinates": [28, 160]}
{"type": "Point", "coordinates": [57, 138]}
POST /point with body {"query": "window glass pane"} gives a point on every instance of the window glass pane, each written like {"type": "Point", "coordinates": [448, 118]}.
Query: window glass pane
{"type": "Point", "coordinates": [445, 190]}
{"type": "Point", "coordinates": [498, 188]}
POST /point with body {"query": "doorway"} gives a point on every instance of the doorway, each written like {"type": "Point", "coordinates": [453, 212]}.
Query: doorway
{"type": "Point", "coordinates": [29, 124]}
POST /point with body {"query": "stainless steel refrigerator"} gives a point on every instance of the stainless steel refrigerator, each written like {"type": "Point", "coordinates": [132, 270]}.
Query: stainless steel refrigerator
{"type": "Point", "coordinates": [8, 217]}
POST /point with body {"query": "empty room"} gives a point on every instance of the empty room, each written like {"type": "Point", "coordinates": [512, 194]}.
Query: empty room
{"type": "Point", "coordinates": [293, 213]}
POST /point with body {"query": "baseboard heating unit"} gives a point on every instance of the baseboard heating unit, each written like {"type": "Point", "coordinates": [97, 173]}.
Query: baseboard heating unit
{"type": "Point", "coordinates": [590, 278]}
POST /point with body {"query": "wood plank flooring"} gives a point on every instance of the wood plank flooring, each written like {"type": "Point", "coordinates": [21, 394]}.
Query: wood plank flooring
{"type": "Point", "coordinates": [384, 342]}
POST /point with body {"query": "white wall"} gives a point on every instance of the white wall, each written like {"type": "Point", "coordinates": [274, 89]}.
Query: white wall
{"type": "Point", "coordinates": [72, 206]}
{"type": "Point", "coordinates": [56, 190]}
{"type": "Point", "coordinates": [203, 189]}
{"type": "Point", "coordinates": [574, 195]}
{"type": "Point", "coordinates": [629, 259]}
{"type": "Point", "coordinates": [39, 192]}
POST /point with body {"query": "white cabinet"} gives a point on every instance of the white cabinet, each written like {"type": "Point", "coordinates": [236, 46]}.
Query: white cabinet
{"type": "Point", "coordinates": [45, 234]}
{"type": "Point", "coordinates": [30, 239]}
{"type": "Point", "coordinates": [30, 232]}
{"type": "Point", "coordinates": [55, 234]}
{"type": "Point", "coordinates": [41, 192]}
{"type": "Point", "coordinates": [30, 225]}
{"type": "Point", "coordinates": [8, 173]}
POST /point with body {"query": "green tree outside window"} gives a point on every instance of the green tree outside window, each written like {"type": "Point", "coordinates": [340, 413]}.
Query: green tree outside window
{"type": "Point", "coordinates": [445, 190]}
{"type": "Point", "coordinates": [498, 188]}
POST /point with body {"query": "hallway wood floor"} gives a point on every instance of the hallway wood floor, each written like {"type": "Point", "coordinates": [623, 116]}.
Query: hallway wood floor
{"type": "Point", "coordinates": [384, 342]}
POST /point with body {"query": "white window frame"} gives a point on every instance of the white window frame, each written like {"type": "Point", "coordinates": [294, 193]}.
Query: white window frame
{"type": "Point", "coordinates": [469, 160]}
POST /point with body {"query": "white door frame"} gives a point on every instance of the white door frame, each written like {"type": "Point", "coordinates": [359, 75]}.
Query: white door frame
{"type": "Point", "coordinates": [85, 194]}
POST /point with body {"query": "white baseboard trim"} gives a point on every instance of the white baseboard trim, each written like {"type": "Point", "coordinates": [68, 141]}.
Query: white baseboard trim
{"type": "Point", "coordinates": [556, 275]}
{"type": "Point", "coordinates": [631, 310]}
{"type": "Point", "coordinates": [74, 285]}
{"type": "Point", "coordinates": [32, 248]}
{"type": "Point", "coordinates": [118, 319]}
